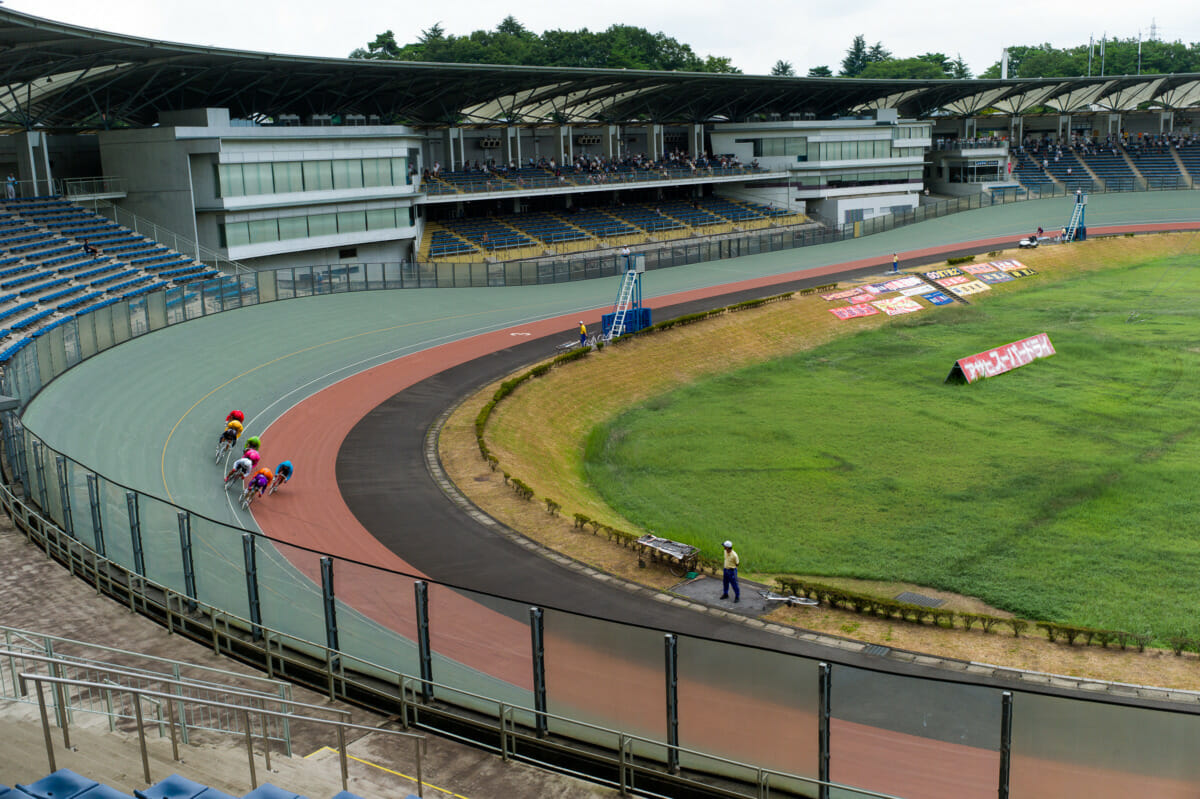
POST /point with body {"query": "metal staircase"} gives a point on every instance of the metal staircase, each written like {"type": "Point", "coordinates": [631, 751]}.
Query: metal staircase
{"type": "Point", "coordinates": [626, 296]}
{"type": "Point", "coordinates": [1076, 218]}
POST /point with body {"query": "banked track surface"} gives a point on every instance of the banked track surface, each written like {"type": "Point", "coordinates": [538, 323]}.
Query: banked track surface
{"type": "Point", "coordinates": [375, 437]}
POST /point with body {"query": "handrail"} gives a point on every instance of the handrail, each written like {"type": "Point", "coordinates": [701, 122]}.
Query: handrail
{"type": "Point", "coordinates": [182, 683]}
{"type": "Point", "coordinates": [46, 637]}
{"type": "Point", "coordinates": [419, 741]}
{"type": "Point", "coordinates": [175, 241]}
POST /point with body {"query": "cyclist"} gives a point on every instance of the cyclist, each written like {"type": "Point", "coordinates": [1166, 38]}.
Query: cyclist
{"type": "Point", "coordinates": [251, 455]}
{"type": "Point", "coordinates": [241, 470]}
{"type": "Point", "coordinates": [283, 473]}
{"type": "Point", "coordinates": [228, 437]}
{"type": "Point", "coordinates": [238, 415]}
{"type": "Point", "coordinates": [261, 479]}
{"type": "Point", "coordinates": [253, 442]}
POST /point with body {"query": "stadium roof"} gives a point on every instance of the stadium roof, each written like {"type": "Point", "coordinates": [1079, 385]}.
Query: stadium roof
{"type": "Point", "coordinates": [62, 77]}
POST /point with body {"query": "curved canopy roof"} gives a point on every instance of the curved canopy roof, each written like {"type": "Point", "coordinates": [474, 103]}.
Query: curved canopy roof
{"type": "Point", "coordinates": [59, 76]}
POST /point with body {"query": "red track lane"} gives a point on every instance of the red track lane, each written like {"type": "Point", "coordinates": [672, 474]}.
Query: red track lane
{"type": "Point", "coordinates": [310, 512]}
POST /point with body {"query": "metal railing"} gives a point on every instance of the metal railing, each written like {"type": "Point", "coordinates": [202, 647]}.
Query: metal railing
{"type": "Point", "coordinates": [168, 238]}
{"type": "Point", "coordinates": [22, 649]}
{"type": "Point", "coordinates": [249, 716]}
{"type": "Point", "coordinates": [75, 189]}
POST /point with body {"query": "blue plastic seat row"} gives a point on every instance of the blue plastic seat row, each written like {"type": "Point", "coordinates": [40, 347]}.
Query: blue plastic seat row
{"type": "Point", "coordinates": [16, 270]}
{"type": "Point", "coordinates": [29, 321]}
{"type": "Point", "coordinates": [197, 276]}
{"type": "Point", "coordinates": [44, 254]}
{"type": "Point", "coordinates": [25, 278]}
{"type": "Point", "coordinates": [44, 329]}
{"type": "Point", "coordinates": [184, 270]}
{"type": "Point", "coordinates": [60, 294]}
{"type": "Point", "coordinates": [72, 267]}
{"type": "Point", "coordinates": [75, 302]}
{"type": "Point", "coordinates": [179, 261]}
{"type": "Point", "coordinates": [129, 283]}
{"type": "Point", "coordinates": [149, 287]}
{"type": "Point", "coordinates": [139, 242]}
{"type": "Point", "coordinates": [111, 278]}
{"type": "Point", "coordinates": [17, 309]}
{"type": "Point", "coordinates": [152, 258]}
{"type": "Point", "coordinates": [96, 307]}
{"type": "Point", "coordinates": [13, 349]}
{"type": "Point", "coordinates": [36, 242]}
{"type": "Point", "coordinates": [43, 286]}
{"type": "Point", "coordinates": [62, 259]}
{"type": "Point", "coordinates": [64, 783]}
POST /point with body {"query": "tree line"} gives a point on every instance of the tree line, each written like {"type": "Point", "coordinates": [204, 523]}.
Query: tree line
{"type": "Point", "coordinates": [629, 47]}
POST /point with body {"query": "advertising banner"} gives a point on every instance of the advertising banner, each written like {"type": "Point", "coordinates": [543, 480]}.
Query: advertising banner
{"type": "Point", "coordinates": [851, 311]}
{"type": "Point", "coordinates": [974, 287]}
{"type": "Point", "coordinates": [841, 295]}
{"type": "Point", "coordinates": [941, 273]}
{"type": "Point", "coordinates": [895, 306]}
{"type": "Point", "coordinates": [938, 298]}
{"type": "Point", "coordinates": [1001, 359]}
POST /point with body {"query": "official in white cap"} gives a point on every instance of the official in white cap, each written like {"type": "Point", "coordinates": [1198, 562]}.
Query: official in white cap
{"type": "Point", "coordinates": [582, 333]}
{"type": "Point", "coordinates": [729, 575]}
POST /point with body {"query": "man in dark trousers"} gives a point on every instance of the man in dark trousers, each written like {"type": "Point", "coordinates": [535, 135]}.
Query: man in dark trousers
{"type": "Point", "coordinates": [729, 576]}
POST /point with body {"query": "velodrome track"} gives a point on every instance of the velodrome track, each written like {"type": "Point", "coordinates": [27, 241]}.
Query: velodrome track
{"type": "Point", "coordinates": [349, 384]}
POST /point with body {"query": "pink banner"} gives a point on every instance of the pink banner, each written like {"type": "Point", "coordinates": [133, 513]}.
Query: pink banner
{"type": "Point", "coordinates": [851, 311]}
{"type": "Point", "coordinates": [953, 281]}
{"type": "Point", "coordinates": [978, 269]}
{"type": "Point", "coordinates": [1003, 359]}
{"type": "Point", "coordinates": [861, 298]}
{"type": "Point", "coordinates": [841, 295]}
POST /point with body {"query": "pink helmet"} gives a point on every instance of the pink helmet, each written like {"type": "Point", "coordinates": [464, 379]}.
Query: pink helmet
{"type": "Point", "coordinates": [252, 454]}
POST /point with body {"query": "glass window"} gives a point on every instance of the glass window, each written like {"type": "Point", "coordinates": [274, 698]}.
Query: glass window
{"type": "Point", "coordinates": [263, 230]}
{"type": "Point", "coordinates": [293, 227]}
{"type": "Point", "coordinates": [288, 177]}
{"type": "Point", "coordinates": [381, 219]}
{"type": "Point", "coordinates": [257, 178]}
{"type": "Point", "coordinates": [377, 172]}
{"type": "Point", "coordinates": [318, 175]}
{"type": "Point", "coordinates": [322, 225]}
{"type": "Point", "coordinates": [347, 174]}
{"type": "Point", "coordinates": [230, 176]}
{"type": "Point", "coordinates": [400, 172]}
{"type": "Point", "coordinates": [351, 221]}
{"type": "Point", "coordinates": [236, 233]}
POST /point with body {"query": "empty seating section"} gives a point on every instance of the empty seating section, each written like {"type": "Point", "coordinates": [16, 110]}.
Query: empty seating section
{"type": "Point", "coordinates": [1159, 168]}
{"type": "Point", "coordinates": [488, 233]}
{"type": "Point", "coordinates": [589, 228]}
{"type": "Point", "coordinates": [1189, 155]}
{"type": "Point", "coordinates": [547, 228]}
{"type": "Point", "coordinates": [59, 261]}
{"type": "Point", "coordinates": [1030, 174]}
{"type": "Point", "coordinates": [1110, 167]}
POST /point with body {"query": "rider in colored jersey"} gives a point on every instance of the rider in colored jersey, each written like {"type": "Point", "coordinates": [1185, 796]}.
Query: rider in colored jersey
{"type": "Point", "coordinates": [229, 434]}
{"type": "Point", "coordinates": [252, 455]}
{"type": "Point", "coordinates": [283, 473]}
{"type": "Point", "coordinates": [253, 442]}
{"type": "Point", "coordinates": [241, 468]}
{"type": "Point", "coordinates": [262, 479]}
{"type": "Point", "coordinates": [236, 415]}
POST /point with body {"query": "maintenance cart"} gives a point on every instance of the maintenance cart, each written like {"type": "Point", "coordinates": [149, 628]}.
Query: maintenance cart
{"type": "Point", "coordinates": [678, 558]}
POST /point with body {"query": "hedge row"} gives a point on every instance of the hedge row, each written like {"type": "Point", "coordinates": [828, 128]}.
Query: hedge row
{"type": "Point", "coordinates": [941, 617]}
{"type": "Point", "coordinates": [963, 259]}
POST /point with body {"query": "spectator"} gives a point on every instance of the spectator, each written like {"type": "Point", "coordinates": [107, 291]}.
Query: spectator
{"type": "Point", "coordinates": [729, 575]}
{"type": "Point", "coordinates": [582, 333]}
{"type": "Point", "coordinates": [10, 187]}
{"type": "Point", "coordinates": [895, 263]}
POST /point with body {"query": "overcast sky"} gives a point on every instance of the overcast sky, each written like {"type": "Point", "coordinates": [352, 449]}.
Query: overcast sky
{"type": "Point", "coordinates": [753, 35]}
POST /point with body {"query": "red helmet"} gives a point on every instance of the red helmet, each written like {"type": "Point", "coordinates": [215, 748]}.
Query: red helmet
{"type": "Point", "coordinates": [241, 417]}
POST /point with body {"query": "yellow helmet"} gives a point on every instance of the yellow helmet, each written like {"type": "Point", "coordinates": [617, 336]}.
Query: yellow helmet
{"type": "Point", "coordinates": [236, 425]}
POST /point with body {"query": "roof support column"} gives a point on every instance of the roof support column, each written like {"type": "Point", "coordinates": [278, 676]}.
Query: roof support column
{"type": "Point", "coordinates": [654, 141]}
{"type": "Point", "coordinates": [1166, 121]}
{"type": "Point", "coordinates": [512, 145]}
{"type": "Point", "coordinates": [450, 148]}
{"type": "Point", "coordinates": [696, 145]}
{"type": "Point", "coordinates": [1064, 126]}
{"type": "Point", "coordinates": [566, 151]}
{"type": "Point", "coordinates": [611, 142]}
{"type": "Point", "coordinates": [1016, 131]}
{"type": "Point", "coordinates": [968, 128]}
{"type": "Point", "coordinates": [1113, 127]}
{"type": "Point", "coordinates": [33, 163]}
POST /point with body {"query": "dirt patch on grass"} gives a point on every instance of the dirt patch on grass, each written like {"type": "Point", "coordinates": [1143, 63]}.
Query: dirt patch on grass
{"type": "Point", "coordinates": [538, 435]}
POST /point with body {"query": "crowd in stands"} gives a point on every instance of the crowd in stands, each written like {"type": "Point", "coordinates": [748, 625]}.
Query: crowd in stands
{"type": "Point", "coordinates": [586, 168]}
{"type": "Point", "coordinates": [1045, 148]}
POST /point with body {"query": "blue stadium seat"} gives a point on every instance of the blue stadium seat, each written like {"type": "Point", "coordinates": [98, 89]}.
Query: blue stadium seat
{"type": "Point", "coordinates": [103, 791]}
{"type": "Point", "coordinates": [62, 784]}
{"type": "Point", "coordinates": [177, 787]}
{"type": "Point", "coordinates": [269, 791]}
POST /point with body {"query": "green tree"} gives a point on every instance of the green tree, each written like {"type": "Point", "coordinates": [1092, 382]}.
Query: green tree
{"type": "Point", "coordinates": [783, 69]}
{"type": "Point", "coordinates": [959, 69]}
{"type": "Point", "coordinates": [714, 63]}
{"type": "Point", "coordinates": [903, 68]}
{"type": "Point", "coordinates": [939, 60]}
{"type": "Point", "coordinates": [878, 53]}
{"type": "Point", "coordinates": [383, 48]}
{"type": "Point", "coordinates": [820, 72]}
{"type": "Point", "coordinates": [856, 58]}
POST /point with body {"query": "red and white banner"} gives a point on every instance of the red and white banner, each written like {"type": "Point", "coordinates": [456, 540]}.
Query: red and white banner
{"type": "Point", "coordinates": [851, 311]}
{"type": "Point", "coordinates": [952, 281]}
{"type": "Point", "coordinates": [1006, 358]}
{"type": "Point", "coordinates": [841, 295]}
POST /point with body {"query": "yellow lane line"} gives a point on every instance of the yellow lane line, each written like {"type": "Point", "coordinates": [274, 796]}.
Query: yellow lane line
{"type": "Point", "coordinates": [163, 458]}
{"type": "Point", "coordinates": [388, 770]}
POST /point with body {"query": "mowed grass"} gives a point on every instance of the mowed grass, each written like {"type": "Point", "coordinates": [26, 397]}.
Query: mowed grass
{"type": "Point", "coordinates": [1065, 490]}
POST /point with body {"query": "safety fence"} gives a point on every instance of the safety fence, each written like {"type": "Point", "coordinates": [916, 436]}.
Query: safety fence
{"type": "Point", "coordinates": [649, 711]}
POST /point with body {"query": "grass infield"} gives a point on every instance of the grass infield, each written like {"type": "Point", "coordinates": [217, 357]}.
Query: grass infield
{"type": "Point", "coordinates": [1063, 490]}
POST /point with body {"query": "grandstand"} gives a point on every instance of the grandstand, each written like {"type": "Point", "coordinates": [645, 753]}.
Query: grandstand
{"type": "Point", "coordinates": [59, 261]}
